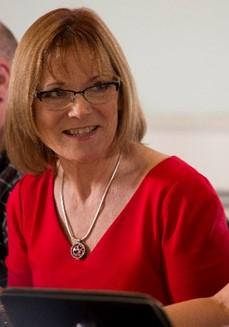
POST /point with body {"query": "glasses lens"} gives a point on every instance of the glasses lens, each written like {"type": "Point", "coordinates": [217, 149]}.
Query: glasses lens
{"type": "Point", "coordinates": [101, 93]}
{"type": "Point", "coordinates": [56, 99]}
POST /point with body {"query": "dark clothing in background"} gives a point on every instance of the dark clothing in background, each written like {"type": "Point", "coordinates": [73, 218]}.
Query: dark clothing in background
{"type": "Point", "coordinates": [8, 177]}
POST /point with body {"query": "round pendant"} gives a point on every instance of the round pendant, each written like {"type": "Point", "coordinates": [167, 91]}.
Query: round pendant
{"type": "Point", "coordinates": [78, 250]}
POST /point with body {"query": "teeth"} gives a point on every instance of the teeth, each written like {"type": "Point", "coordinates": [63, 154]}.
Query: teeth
{"type": "Point", "coordinates": [81, 131]}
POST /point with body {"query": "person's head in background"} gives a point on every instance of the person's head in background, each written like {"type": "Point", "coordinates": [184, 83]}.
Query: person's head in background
{"type": "Point", "coordinates": [80, 35]}
{"type": "Point", "coordinates": [8, 44]}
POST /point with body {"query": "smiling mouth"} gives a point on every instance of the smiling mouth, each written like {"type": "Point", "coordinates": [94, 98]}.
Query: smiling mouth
{"type": "Point", "coordinates": [80, 131]}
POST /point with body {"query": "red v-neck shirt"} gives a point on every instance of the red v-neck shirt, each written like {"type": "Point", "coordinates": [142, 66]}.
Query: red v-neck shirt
{"type": "Point", "coordinates": [170, 240]}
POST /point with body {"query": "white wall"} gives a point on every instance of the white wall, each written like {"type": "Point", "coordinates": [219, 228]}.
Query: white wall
{"type": "Point", "coordinates": [202, 140]}
{"type": "Point", "coordinates": [179, 54]}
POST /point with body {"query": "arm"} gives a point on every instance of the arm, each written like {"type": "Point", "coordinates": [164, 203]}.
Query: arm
{"type": "Point", "coordinates": [195, 240]}
{"type": "Point", "coordinates": [204, 312]}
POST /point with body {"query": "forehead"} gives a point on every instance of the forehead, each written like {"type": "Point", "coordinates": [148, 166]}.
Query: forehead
{"type": "Point", "coordinates": [74, 63]}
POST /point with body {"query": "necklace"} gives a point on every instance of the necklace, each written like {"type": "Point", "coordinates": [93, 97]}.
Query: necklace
{"type": "Point", "coordinates": [78, 249]}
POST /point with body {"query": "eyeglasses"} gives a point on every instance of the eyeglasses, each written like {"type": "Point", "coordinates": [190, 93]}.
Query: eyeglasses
{"type": "Point", "coordinates": [58, 99]}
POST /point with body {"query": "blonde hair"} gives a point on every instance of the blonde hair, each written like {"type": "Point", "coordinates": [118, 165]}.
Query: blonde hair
{"type": "Point", "coordinates": [57, 31]}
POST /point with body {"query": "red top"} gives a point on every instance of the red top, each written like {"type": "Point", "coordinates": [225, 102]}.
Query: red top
{"type": "Point", "coordinates": [171, 239]}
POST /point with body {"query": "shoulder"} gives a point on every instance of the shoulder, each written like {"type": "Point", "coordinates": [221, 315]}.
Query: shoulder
{"type": "Point", "coordinates": [164, 167]}
{"type": "Point", "coordinates": [31, 196]}
{"type": "Point", "coordinates": [160, 173]}
{"type": "Point", "coordinates": [33, 180]}
{"type": "Point", "coordinates": [176, 172]}
{"type": "Point", "coordinates": [29, 185]}
{"type": "Point", "coordinates": [187, 192]}
{"type": "Point", "coordinates": [176, 185]}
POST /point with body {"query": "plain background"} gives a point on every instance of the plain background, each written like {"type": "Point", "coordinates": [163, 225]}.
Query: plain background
{"type": "Point", "coordinates": [179, 54]}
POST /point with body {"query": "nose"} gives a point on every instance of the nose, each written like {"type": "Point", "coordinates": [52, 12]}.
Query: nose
{"type": "Point", "coordinates": [79, 107]}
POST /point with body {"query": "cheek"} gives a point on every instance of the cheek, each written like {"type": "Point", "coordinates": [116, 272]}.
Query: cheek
{"type": "Point", "coordinates": [112, 113]}
{"type": "Point", "coordinates": [45, 121]}
{"type": "Point", "coordinates": [46, 129]}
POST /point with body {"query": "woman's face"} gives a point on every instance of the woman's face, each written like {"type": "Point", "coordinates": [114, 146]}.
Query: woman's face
{"type": "Point", "coordinates": [80, 130]}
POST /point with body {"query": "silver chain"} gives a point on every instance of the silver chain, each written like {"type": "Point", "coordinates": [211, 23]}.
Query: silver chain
{"type": "Point", "coordinates": [66, 219]}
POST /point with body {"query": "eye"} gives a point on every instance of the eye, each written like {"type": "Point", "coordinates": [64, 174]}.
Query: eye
{"type": "Point", "coordinates": [52, 94]}
{"type": "Point", "coordinates": [100, 87]}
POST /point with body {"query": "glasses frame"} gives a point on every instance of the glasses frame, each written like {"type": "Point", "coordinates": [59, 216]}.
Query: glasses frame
{"type": "Point", "coordinates": [39, 94]}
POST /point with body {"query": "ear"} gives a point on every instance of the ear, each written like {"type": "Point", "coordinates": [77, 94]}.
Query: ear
{"type": "Point", "coordinates": [4, 79]}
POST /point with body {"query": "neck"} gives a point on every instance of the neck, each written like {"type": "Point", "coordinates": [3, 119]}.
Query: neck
{"type": "Point", "coordinates": [83, 179]}
{"type": "Point", "coordinates": [78, 248]}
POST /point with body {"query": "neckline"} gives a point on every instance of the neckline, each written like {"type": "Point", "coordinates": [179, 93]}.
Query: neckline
{"type": "Point", "coordinates": [78, 247]}
{"type": "Point", "coordinates": [61, 231]}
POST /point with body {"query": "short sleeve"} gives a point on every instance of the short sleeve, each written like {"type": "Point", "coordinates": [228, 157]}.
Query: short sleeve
{"type": "Point", "coordinates": [195, 240]}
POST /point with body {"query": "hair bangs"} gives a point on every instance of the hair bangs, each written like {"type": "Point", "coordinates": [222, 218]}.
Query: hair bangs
{"type": "Point", "coordinates": [89, 53]}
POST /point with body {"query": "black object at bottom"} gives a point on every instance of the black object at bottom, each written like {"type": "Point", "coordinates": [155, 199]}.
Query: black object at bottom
{"type": "Point", "coordinates": [54, 308]}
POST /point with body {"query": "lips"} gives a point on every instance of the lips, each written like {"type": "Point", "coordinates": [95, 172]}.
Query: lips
{"type": "Point", "coordinates": [83, 131]}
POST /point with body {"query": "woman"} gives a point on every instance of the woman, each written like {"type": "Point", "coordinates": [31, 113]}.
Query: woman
{"type": "Point", "coordinates": [98, 209]}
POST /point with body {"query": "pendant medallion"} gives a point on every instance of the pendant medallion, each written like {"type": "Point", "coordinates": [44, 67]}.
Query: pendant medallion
{"type": "Point", "coordinates": [78, 250]}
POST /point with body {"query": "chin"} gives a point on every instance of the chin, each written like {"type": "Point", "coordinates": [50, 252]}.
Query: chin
{"type": "Point", "coordinates": [87, 156]}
